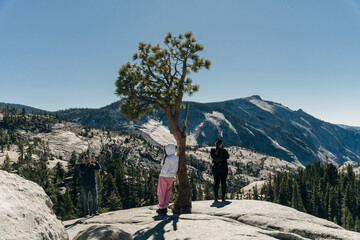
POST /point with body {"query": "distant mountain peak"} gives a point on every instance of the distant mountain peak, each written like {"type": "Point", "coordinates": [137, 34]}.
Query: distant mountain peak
{"type": "Point", "coordinates": [256, 97]}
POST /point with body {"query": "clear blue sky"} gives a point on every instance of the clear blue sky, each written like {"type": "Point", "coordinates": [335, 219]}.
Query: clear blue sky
{"type": "Point", "coordinates": [301, 53]}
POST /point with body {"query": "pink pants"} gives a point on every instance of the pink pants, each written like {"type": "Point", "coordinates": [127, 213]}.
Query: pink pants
{"type": "Point", "coordinates": [164, 191]}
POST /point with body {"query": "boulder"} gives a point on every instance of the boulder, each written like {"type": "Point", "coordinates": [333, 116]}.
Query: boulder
{"type": "Point", "coordinates": [25, 211]}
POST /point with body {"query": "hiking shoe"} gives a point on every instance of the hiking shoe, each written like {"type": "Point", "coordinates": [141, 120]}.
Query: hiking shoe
{"type": "Point", "coordinates": [162, 211]}
{"type": "Point", "coordinates": [86, 216]}
{"type": "Point", "coordinates": [96, 213]}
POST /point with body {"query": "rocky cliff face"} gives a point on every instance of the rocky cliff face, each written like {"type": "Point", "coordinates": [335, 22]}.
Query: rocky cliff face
{"type": "Point", "coordinates": [25, 211]}
{"type": "Point", "coordinates": [251, 122]}
{"type": "Point", "coordinates": [236, 219]}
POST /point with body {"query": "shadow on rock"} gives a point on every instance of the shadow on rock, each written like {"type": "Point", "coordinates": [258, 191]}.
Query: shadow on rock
{"type": "Point", "coordinates": [103, 232]}
{"type": "Point", "coordinates": [159, 230]}
{"type": "Point", "coordinates": [80, 221]}
{"type": "Point", "coordinates": [220, 204]}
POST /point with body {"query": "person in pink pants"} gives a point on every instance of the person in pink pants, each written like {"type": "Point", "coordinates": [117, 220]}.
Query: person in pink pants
{"type": "Point", "coordinates": [166, 177]}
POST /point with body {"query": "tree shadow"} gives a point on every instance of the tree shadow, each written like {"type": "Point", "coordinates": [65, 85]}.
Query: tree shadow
{"type": "Point", "coordinates": [79, 221]}
{"type": "Point", "coordinates": [220, 204]}
{"type": "Point", "coordinates": [158, 231]}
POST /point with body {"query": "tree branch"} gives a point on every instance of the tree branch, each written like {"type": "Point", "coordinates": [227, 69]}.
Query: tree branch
{"type": "Point", "coordinates": [184, 132]}
{"type": "Point", "coordinates": [176, 70]}
{"type": "Point", "coordinates": [153, 102]}
{"type": "Point", "coordinates": [168, 63]}
{"type": "Point", "coordinates": [153, 75]}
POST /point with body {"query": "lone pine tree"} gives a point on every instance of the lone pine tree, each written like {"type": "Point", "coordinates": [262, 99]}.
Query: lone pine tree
{"type": "Point", "coordinates": [159, 77]}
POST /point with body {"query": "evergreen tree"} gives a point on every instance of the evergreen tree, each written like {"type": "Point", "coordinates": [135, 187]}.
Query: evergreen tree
{"type": "Point", "coordinates": [255, 193]}
{"type": "Point", "coordinates": [52, 191]}
{"type": "Point", "coordinates": [120, 182]}
{"type": "Point", "coordinates": [68, 206]}
{"type": "Point", "coordinates": [348, 205]}
{"type": "Point", "coordinates": [64, 210]}
{"type": "Point", "coordinates": [73, 183]}
{"type": "Point", "coordinates": [111, 196]}
{"type": "Point", "coordinates": [139, 182]}
{"type": "Point", "coordinates": [2, 139]}
{"type": "Point", "coordinates": [59, 173]}
{"type": "Point", "coordinates": [347, 219]}
{"type": "Point", "coordinates": [357, 224]}
{"type": "Point", "coordinates": [159, 78]}
{"type": "Point", "coordinates": [151, 190]}
{"type": "Point", "coordinates": [332, 173]}
{"type": "Point", "coordinates": [333, 207]}
{"type": "Point", "coordinates": [6, 166]}
{"type": "Point", "coordinates": [200, 194]}
{"type": "Point", "coordinates": [269, 191]}
{"type": "Point", "coordinates": [296, 201]}
{"type": "Point", "coordinates": [283, 192]}
{"type": "Point", "coordinates": [315, 201]}
{"type": "Point", "coordinates": [134, 198]}
{"type": "Point", "coordinates": [277, 180]}
{"type": "Point", "coordinates": [208, 191]}
{"type": "Point", "coordinates": [41, 169]}
{"type": "Point", "coordinates": [193, 186]}
{"type": "Point", "coordinates": [339, 197]}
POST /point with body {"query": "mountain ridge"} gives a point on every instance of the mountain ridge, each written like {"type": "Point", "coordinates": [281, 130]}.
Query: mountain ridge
{"type": "Point", "coordinates": [19, 107]}
{"type": "Point", "coordinates": [250, 122]}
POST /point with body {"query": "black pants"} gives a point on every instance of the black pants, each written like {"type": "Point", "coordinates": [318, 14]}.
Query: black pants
{"type": "Point", "coordinates": [220, 173]}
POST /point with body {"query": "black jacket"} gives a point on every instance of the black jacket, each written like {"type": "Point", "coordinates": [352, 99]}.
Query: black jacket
{"type": "Point", "coordinates": [221, 158]}
{"type": "Point", "coordinates": [87, 173]}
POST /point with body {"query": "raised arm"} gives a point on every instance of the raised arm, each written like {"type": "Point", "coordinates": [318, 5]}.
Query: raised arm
{"type": "Point", "coordinates": [212, 153]}
{"type": "Point", "coordinates": [97, 165]}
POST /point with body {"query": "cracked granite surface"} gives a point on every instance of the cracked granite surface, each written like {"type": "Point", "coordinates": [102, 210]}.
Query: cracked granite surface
{"type": "Point", "coordinates": [235, 219]}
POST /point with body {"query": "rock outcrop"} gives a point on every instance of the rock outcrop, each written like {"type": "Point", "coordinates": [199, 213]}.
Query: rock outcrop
{"type": "Point", "coordinates": [235, 219]}
{"type": "Point", "coordinates": [25, 211]}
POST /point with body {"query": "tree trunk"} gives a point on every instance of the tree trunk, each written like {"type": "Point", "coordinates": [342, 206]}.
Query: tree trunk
{"type": "Point", "coordinates": [183, 201]}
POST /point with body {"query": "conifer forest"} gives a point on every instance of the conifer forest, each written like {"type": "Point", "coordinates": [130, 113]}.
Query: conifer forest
{"type": "Point", "coordinates": [319, 189]}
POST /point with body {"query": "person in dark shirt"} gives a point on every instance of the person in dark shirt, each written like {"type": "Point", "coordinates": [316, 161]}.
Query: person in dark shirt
{"type": "Point", "coordinates": [88, 183]}
{"type": "Point", "coordinates": [219, 168]}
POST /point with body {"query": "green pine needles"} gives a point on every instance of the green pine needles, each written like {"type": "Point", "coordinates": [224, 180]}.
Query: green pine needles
{"type": "Point", "coordinates": [158, 76]}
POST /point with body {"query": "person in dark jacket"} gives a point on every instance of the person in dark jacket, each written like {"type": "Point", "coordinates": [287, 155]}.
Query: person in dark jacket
{"type": "Point", "coordinates": [219, 156]}
{"type": "Point", "coordinates": [88, 183]}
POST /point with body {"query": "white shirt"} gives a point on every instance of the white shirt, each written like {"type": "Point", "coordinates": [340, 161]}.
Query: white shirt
{"type": "Point", "coordinates": [171, 164]}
